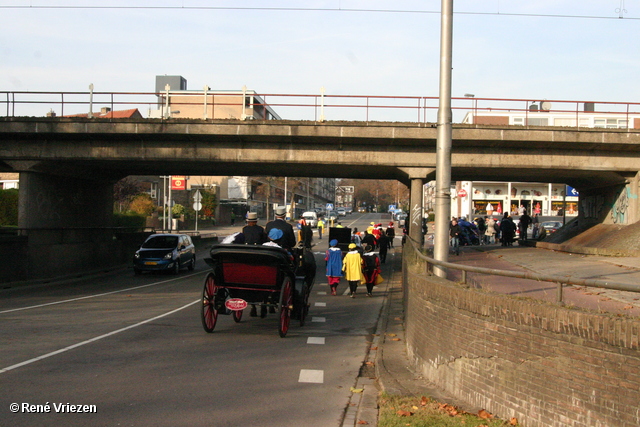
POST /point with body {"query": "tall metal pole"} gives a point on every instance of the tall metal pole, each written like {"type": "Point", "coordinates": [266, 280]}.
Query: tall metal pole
{"type": "Point", "coordinates": [443, 146]}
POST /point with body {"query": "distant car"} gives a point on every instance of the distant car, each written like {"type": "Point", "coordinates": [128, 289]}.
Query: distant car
{"type": "Point", "coordinates": [551, 226]}
{"type": "Point", "coordinates": [398, 214]}
{"type": "Point", "coordinates": [349, 209]}
{"type": "Point", "coordinates": [333, 215]}
{"type": "Point", "coordinates": [311, 218]}
{"type": "Point", "coordinates": [342, 212]}
{"type": "Point", "coordinates": [165, 252]}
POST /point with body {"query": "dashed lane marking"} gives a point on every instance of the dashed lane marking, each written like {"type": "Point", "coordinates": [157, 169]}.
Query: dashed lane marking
{"type": "Point", "coordinates": [311, 376]}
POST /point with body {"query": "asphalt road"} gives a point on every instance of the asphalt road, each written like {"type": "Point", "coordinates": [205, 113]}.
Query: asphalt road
{"type": "Point", "coordinates": [130, 350]}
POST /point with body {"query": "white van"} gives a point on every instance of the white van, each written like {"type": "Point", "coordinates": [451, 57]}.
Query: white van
{"type": "Point", "coordinates": [311, 218]}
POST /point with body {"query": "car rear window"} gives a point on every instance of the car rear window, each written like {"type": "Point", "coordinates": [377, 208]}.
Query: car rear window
{"type": "Point", "coordinates": [161, 242]}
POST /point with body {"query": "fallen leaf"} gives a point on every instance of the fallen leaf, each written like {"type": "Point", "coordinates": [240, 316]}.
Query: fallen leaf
{"type": "Point", "coordinates": [356, 390]}
{"type": "Point", "coordinates": [362, 422]}
{"type": "Point", "coordinates": [374, 348]}
{"type": "Point", "coordinates": [627, 307]}
{"type": "Point", "coordinates": [513, 421]}
{"type": "Point", "coordinates": [484, 414]}
{"type": "Point", "coordinates": [402, 413]}
{"type": "Point", "coordinates": [397, 318]}
{"type": "Point", "coordinates": [391, 335]}
{"type": "Point", "coordinates": [369, 363]}
{"type": "Point", "coordinates": [423, 401]}
{"type": "Point", "coordinates": [605, 299]}
{"type": "Point", "coordinates": [415, 408]}
{"type": "Point", "coordinates": [396, 339]}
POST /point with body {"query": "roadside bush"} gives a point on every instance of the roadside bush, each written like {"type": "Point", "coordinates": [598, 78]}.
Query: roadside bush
{"type": "Point", "coordinates": [129, 220]}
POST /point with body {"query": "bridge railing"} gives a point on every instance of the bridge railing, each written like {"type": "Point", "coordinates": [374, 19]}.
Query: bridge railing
{"type": "Point", "coordinates": [560, 281]}
{"type": "Point", "coordinates": [319, 107]}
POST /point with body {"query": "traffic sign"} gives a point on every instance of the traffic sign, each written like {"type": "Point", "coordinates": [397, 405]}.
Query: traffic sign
{"type": "Point", "coordinates": [197, 206]}
{"type": "Point", "coordinates": [197, 197]}
{"type": "Point", "coordinates": [329, 206]}
{"type": "Point", "coordinates": [462, 193]}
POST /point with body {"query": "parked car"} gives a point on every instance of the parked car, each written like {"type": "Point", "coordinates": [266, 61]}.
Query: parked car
{"type": "Point", "coordinates": [551, 226]}
{"type": "Point", "coordinates": [311, 218]}
{"type": "Point", "coordinates": [165, 252]}
{"type": "Point", "coordinates": [342, 212]}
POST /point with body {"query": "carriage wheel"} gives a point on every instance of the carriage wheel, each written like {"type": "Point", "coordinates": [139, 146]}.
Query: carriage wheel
{"type": "Point", "coordinates": [237, 315]}
{"type": "Point", "coordinates": [209, 311]}
{"type": "Point", "coordinates": [286, 304]}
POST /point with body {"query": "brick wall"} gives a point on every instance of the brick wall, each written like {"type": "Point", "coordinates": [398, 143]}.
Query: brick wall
{"type": "Point", "coordinates": [546, 365]}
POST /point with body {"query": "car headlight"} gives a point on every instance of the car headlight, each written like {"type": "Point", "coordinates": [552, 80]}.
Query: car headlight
{"type": "Point", "coordinates": [137, 255]}
{"type": "Point", "coordinates": [169, 255]}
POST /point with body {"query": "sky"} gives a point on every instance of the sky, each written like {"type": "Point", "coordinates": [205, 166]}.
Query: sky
{"type": "Point", "coordinates": [582, 50]}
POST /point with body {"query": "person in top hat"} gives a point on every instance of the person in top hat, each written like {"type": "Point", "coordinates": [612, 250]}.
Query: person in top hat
{"type": "Point", "coordinates": [288, 240]}
{"type": "Point", "coordinates": [253, 233]}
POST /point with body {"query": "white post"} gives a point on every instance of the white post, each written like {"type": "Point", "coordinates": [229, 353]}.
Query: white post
{"type": "Point", "coordinates": [170, 227]}
{"type": "Point", "coordinates": [166, 107]}
{"type": "Point", "coordinates": [322, 90]}
{"type": "Point", "coordinates": [285, 197]}
{"type": "Point", "coordinates": [204, 114]}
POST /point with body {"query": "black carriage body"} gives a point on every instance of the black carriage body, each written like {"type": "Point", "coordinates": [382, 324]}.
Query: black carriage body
{"type": "Point", "coordinates": [249, 272]}
{"type": "Point", "coordinates": [342, 235]}
{"type": "Point", "coordinates": [259, 275]}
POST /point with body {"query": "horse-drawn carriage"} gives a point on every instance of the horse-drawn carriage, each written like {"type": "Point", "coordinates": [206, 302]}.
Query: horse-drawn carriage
{"type": "Point", "coordinates": [265, 276]}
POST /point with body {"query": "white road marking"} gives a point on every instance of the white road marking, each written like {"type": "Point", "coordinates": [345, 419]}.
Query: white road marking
{"type": "Point", "coordinates": [98, 295]}
{"type": "Point", "coordinates": [315, 340]}
{"type": "Point", "coordinates": [320, 304]}
{"type": "Point", "coordinates": [89, 341]}
{"type": "Point", "coordinates": [311, 376]}
{"type": "Point", "coordinates": [322, 293]}
{"type": "Point", "coordinates": [319, 319]}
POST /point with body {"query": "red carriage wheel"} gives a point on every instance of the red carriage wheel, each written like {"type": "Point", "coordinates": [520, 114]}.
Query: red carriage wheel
{"type": "Point", "coordinates": [286, 306]}
{"type": "Point", "coordinates": [209, 310]}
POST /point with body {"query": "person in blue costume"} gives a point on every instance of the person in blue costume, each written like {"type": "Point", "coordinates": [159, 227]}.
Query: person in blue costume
{"type": "Point", "coordinates": [333, 257]}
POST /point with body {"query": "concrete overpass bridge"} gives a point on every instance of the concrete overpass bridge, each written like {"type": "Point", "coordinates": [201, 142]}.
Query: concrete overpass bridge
{"type": "Point", "coordinates": [68, 165]}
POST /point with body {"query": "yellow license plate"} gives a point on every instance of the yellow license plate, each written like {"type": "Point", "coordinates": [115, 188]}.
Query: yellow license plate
{"type": "Point", "coordinates": [150, 263]}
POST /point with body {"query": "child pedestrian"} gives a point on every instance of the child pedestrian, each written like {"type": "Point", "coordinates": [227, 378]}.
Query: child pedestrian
{"type": "Point", "coordinates": [352, 267]}
{"type": "Point", "coordinates": [333, 257]}
{"type": "Point", "coordinates": [371, 268]}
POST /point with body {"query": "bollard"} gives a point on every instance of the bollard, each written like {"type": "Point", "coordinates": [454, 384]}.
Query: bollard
{"type": "Point", "coordinates": [464, 277]}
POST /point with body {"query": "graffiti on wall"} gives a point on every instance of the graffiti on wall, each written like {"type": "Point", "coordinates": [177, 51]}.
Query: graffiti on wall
{"type": "Point", "coordinates": [416, 214]}
{"type": "Point", "coordinates": [591, 206]}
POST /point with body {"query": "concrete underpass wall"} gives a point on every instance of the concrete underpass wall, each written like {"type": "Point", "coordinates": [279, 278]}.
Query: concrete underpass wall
{"type": "Point", "coordinates": [546, 365]}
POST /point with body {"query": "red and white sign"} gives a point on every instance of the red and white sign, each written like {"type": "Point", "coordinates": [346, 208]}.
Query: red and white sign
{"type": "Point", "coordinates": [178, 182]}
{"type": "Point", "coordinates": [235, 304]}
{"type": "Point", "coordinates": [462, 193]}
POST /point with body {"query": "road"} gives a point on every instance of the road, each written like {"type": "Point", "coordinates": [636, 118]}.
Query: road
{"type": "Point", "coordinates": [130, 350]}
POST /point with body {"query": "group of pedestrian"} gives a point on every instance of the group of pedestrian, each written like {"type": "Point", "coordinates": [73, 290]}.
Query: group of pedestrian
{"type": "Point", "coordinates": [488, 231]}
{"type": "Point", "coordinates": [356, 267]}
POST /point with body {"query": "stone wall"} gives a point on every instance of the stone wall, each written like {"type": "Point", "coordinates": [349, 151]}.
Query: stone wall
{"type": "Point", "coordinates": [546, 365]}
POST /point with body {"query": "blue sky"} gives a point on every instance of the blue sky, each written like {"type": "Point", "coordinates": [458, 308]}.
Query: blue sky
{"type": "Point", "coordinates": [563, 49]}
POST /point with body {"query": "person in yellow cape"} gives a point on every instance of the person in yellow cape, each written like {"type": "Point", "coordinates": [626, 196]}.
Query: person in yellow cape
{"type": "Point", "coordinates": [352, 267]}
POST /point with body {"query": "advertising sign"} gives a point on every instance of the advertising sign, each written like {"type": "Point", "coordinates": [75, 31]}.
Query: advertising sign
{"type": "Point", "coordinates": [178, 182]}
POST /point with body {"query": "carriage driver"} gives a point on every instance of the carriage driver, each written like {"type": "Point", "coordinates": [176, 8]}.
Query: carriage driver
{"type": "Point", "coordinates": [288, 240]}
{"type": "Point", "coordinates": [253, 233]}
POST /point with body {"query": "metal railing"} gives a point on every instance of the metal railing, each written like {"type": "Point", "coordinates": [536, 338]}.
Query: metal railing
{"type": "Point", "coordinates": [316, 107]}
{"type": "Point", "coordinates": [560, 281]}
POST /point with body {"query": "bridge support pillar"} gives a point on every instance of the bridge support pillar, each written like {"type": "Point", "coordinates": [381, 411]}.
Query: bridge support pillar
{"type": "Point", "coordinates": [66, 221]}
{"type": "Point", "coordinates": [618, 204]}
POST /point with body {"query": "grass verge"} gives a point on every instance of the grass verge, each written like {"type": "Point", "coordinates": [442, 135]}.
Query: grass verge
{"type": "Point", "coordinates": [402, 411]}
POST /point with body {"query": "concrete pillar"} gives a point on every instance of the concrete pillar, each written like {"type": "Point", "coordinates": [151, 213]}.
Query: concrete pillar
{"type": "Point", "coordinates": [48, 201]}
{"type": "Point", "coordinates": [66, 222]}
{"type": "Point", "coordinates": [415, 216]}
